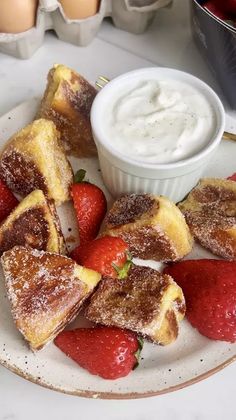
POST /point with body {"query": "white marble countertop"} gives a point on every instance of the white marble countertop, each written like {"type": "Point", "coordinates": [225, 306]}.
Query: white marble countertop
{"type": "Point", "coordinates": [168, 42]}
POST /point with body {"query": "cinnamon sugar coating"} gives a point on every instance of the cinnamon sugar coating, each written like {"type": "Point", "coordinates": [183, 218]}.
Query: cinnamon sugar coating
{"type": "Point", "coordinates": [34, 159]}
{"type": "Point", "coordinates": [210, 211]}
{"type": "Point", "coordinates": [152, 226]}
{"type": "Point", "coordinates": [46, 291]}
{"type": "Point", "coordinates": [30, 227]}
{"type": "Point", "coordinates": [35, 223]}
{"type": "Point", "coordinates": [146, 302]}
{"type": "Point", "coordinates": [67, 102]}
{"type": "Point", "coordinates": [21, 174]}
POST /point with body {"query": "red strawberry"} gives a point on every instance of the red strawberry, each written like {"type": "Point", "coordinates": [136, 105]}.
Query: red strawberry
{"type": "Point", "coordinates": [108, 352]}
{"type": "Point", "coordinates": [7, 201]}
{"type": "Point", "coordinates": [107, 255]}
{"type": "Point", "coordinates": [229, 6]}
{"type": "Point", "coordinates": [209, 287]}
{"type": "Point", "coordinates": [215, 8]}
{"type": "Point", "coordinates": [90, 206]}
{"type": "Point", "coordinates": [226, 8]}
{"type": "Point", "coordinates": [232, 177]}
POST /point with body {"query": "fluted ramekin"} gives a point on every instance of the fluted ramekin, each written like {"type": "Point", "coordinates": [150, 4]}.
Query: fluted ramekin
{"type": "Point", "coordinates": [124, 175]}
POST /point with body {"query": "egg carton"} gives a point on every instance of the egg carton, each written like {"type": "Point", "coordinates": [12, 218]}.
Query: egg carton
{"type": "Point", "coordinates": [130, 15]}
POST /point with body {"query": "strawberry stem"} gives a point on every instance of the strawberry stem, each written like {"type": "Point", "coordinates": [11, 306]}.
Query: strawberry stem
{"type": "Point", "coordinates": [138, 352]}
{"type": "Point", "coordinates": [123, 271]}
{"type": "Point", "coordinates": [79, 176]}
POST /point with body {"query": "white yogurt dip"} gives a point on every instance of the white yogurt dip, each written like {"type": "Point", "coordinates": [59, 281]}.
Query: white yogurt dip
{"type": "Point", "coordinates": [159, 121]}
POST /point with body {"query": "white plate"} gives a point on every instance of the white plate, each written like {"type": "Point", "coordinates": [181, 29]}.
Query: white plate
{"type": "Point", "coordinates": [162, 369]}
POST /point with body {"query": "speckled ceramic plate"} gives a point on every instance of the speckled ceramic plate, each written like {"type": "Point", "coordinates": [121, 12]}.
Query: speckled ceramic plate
{"type": "Point", "coordinates": [162, 369]}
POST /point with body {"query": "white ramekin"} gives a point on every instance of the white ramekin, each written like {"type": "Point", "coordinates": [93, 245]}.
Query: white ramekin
{"type": "Point", "coordinates": [123, 175]}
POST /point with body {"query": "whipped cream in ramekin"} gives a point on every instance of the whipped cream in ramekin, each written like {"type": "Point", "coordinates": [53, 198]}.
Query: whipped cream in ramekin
{"type": "Point", "coordinates": [159, 121]}
{"type": "Point", "coordinates": [184, 116]}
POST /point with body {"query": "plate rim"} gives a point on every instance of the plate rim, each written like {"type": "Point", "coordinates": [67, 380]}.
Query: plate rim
{"type": "Point", "coordinates": [117, 395]}
{"type": "Point", "coordinates": [105, 395]}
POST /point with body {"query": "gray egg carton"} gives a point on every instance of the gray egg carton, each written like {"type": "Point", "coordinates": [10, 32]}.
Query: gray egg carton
{"type": "Point", "coordinates": [130, 15]}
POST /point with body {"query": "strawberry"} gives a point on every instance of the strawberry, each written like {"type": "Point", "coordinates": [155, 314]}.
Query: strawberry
{"type": "Point", "coordinates": [105, 351]}
{"type": "Point", "coordinates": [90, 206]}
{"type": "Point", "coordinates": [215, 8]}
{"type": "Point", "coordinates": [209, 287]}
{"type": "Point", "coordinates": [232, 177]}
{"type": "Point", "coordinates": [107, 255]}
{"type": "Point", "coordinates": [222, 9]}
{"type": "Point", "coordinates": [7, 201]}
{"type": "Point", "coordinates": [229, 6]}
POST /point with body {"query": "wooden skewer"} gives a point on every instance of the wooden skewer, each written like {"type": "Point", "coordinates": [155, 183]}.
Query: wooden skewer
{"type": "Point", "coordinates": [102, 81]}
{"type": "Point", "coordinates": [229, 136]}
{"type": "Point", "coordinates": [99, 85]}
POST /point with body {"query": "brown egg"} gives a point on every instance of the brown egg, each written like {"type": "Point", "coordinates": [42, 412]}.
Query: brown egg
{"type": "Point", "coordinates": [17, 15]}
{"type": "Point", "coordinates": [80, 9]}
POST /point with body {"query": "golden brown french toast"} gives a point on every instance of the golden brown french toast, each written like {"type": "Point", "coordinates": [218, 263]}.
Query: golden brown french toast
{"type": "Point", "coordinates": [46, 291]}
{"type": "Point", "coordinates": [34, 159]}
{"type": "Point", "coordinates": [67, 102]}
{"type": "Point", "coordinates": [34, 222]}
{"type": "Point", "coordinates": [152, 226]}
{"type": "Point", "coordinates": [146, 302]}
{"type": "Point", "coordinates": [210, 211]}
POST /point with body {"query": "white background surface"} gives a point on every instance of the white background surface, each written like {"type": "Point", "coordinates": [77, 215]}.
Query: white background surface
{"type": "Point", "coordinates": [168, 42]}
